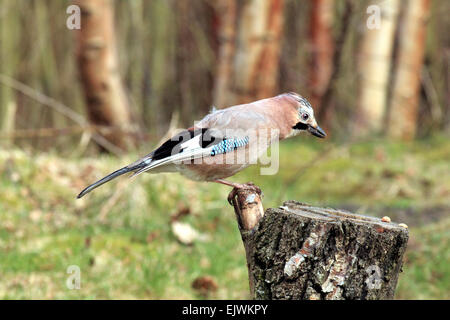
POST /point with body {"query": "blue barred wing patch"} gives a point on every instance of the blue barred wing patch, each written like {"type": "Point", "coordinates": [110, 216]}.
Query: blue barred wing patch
{"type": "Point", "coordinates": [228, 145]}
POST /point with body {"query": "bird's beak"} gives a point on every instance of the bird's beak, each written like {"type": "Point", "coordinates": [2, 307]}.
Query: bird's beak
{"type": "Point", "coordinates": [317, 131]}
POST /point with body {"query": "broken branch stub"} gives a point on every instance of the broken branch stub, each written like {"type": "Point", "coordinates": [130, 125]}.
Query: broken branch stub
{"type": "Point", "coordinates": [299, 251]}
{"type": "Point", "coordinates": [249, 211]}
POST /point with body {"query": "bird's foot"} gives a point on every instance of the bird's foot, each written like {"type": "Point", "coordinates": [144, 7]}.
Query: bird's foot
{"type": "Point", "coordinates": [249, 186]}
{"type": "Point", "coordinates": [239, 186]}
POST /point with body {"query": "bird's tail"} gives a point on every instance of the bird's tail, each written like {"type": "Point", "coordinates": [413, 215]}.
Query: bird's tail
{"type": "Point", "coordinates": [109, 177]}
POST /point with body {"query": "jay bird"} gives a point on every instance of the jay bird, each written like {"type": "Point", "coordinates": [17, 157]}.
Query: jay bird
{"type": "Point", "coordinates": [208, 150]}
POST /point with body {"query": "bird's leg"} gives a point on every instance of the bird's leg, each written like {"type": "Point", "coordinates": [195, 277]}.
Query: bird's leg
{"type": "Point", "coordinates": [229, 183]}
{"type": "Point", "coordinates": [236, 186]}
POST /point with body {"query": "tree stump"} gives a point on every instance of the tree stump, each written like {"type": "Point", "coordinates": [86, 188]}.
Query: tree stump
{"type": "Point", "coordinates": [298, 251]}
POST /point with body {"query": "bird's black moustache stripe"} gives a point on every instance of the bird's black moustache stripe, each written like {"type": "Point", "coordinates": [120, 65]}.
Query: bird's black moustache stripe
{"type": "Point", "coordinates": [300, 126]}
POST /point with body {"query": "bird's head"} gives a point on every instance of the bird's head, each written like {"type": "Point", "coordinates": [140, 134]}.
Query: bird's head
{"type": "Point", "coordinates": [305, 118]}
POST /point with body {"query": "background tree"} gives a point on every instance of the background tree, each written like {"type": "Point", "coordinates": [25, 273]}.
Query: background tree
{"type": "Point", "coordinates": [180, 57]}
{"type": "Point", "coordinates": [106, 100]}
{"type": "Point", "coordinates": [322, 48]}
{"type": "Point", "coordinates": [374, 66]}
{"type": "Point", "coordinates": [225, 12]}
{"type": "Point", "coordinates": [8, 45]}
{"type": "Point", "coordinates": [408, 66]}
{"type": "Point", "coordinates": [256, 49]}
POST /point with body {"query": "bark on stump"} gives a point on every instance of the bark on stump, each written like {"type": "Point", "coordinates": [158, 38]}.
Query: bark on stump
{"type": "Point", "coordinates": [298, 251]}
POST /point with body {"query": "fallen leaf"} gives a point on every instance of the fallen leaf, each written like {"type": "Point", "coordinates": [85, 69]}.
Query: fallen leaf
{"type": "Point", "coordinates": [187, 234]}
{"type": "Point", "coordinates": [35, 215]}
{"type": "Point", "coordinates": [181, 212]}
{"type": "Point", "coordinates": [152, 236]}
{"type": "Point", "coordinates": [205, 285]}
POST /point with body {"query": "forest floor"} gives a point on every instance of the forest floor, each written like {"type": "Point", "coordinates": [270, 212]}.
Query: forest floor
{"type": "Point", "coordinates": [121, 235]}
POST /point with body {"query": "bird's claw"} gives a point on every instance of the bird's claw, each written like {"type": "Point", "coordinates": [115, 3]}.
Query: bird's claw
{"type": "Point", "coordinates": [232, 195]}
{"type": "Point", "coordinates": [247, 186]}
{"type": "Point", "coordinates": [252, 187]}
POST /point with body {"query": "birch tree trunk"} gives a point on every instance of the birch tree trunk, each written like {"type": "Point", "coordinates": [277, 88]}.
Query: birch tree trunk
{"type": "Point", "coordinates": [322, 47]}
{"type": "Point", "coordinates": [402, 120]}
{"type": "Point", "coordinates": [374, 66]}
{"type": "Point", "coordinates": [256, 62]}
{"type": "Point", "coordinates": [255, 51]}
{"type": "Point", "coordinates": [9, 35]}
{"type": "Point", "coordinates": [226, 11]}
{"type": "Point", "coordinates": [98, 64]}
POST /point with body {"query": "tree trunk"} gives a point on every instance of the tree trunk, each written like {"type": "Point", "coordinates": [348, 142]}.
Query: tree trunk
{"type": "Point", "coordinates": [226, 38]}
{"type": "Point", "coordinates": [324, 110]}
{"type": "Point", "coordinates": [184, 56]}
{"type": "Point", "coordinates": [406, 88]}
{"type": "Point", "coordinates": [374, 66]}
{"type": "Point", "coordinates": [322, 48]}
{"type": "Point", "coordinates": [98, 64]}
{"type": "Point", "coordinates": [447, 89]}
{"type": "Point", "coordinates": [9, 44]}
{"type": "Point", "coordinates": [302, 252]}
{"type": "Point", "coordinates": [248, 67]}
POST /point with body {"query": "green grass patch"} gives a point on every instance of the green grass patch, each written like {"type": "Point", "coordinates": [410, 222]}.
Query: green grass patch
{"type": "Point", "coordinates": [120, 235]}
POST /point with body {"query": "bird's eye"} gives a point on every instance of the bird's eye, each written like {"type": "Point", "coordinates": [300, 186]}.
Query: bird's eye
{"type": "Point", "coordinates": [305, 116]}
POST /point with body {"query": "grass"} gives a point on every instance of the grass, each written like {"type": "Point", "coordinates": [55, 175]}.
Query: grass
{"type": "Point", "coordinates": [125, 247]}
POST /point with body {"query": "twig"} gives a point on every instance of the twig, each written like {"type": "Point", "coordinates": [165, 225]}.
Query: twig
{"type": "Point", "coordinates": [249, 211]}
{"type": "Point", "coordinates": [106, 208]}
{"type": "Point", "coordinates": [173, 127]}
{"type": "Point", "coordinates": [52, 132]}
{"type": "Point", "coordinates": [58, 107]}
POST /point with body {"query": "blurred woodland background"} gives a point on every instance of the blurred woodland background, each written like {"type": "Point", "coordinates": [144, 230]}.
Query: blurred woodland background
{"type": "Point", "coordinates": [71, 101]}
{"type": "Point", "coordinates": [135, 66]}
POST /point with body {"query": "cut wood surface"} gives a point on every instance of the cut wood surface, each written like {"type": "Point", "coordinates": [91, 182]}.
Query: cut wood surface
{"type": "Point", "coordinates": [298, 251]}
